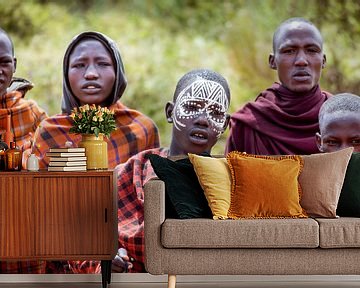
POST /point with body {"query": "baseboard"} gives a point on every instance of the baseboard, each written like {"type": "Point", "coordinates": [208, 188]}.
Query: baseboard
{"type": "Point", "coordinates": [147, 278]}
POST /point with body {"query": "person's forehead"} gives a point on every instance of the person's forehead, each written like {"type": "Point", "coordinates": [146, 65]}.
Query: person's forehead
{"type": "Point", "coordinates": [5, 44]}
{"type": "Point", "coordinates": [298, 33]}
{"type": "Point", "coordinates": [198, 92]}
{"type": "Point", "coordinates": [202, 89]}
{"type": "Point", "coordinates": [341, 118]}
{"type": "Point", "coordinates": [89, 46]}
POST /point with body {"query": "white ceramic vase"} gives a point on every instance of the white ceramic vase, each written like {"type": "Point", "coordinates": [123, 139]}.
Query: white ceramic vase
{"type": "Point", "coordinates": [32, 163]}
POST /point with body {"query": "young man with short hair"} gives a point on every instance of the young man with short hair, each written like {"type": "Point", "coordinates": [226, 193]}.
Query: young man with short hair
{"type": "Point", "coordinates": [339, 123]}
{"type": "Point", "coordinates": [284, 118]}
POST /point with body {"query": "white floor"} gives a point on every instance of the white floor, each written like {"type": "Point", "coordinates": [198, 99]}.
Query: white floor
{"type": "Point", "coordinates": [186, 285]}
{"type": "Point", "coordinates": [149, 281]}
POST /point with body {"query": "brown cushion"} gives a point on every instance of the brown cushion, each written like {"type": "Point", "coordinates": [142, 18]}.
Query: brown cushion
{"type": "Point", "coordinates": [321, 181]}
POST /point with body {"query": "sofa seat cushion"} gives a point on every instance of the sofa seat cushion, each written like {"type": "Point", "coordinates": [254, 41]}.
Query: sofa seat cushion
{"type": "Point", "coordinates": [343, 232]}
{"type": "Point", "coordinates": [249, 233]}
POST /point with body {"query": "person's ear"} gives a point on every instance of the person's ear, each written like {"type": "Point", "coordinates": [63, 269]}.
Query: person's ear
{"type": "Point", "coordinates": [319, 142]}
{"type": "Point", "coordinates": [15, 62]}
{"type": "Point", "coordinates": [272, 63]}
{"type": "Point", "coordinates": [226, 124]}
{"type": "Point", "coordinates": [323, 62]}
{"type": "Point", "coordinates": [169, 108]}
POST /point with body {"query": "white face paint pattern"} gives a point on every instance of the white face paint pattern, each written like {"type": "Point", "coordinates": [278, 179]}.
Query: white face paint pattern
{"type": "Point", "coordinates": [202, 96]}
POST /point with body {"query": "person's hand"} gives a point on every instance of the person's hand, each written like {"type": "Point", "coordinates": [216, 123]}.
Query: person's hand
{"type": "Point", "coordinates": [121, 262]}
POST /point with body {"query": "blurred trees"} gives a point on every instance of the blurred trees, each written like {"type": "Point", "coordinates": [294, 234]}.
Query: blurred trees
{"type": "Point", "coordinates": [340, 21]}
{"type": "Point", "coordinates": [163, 39]}
{"type": "Point", "coordinates": [16, 20]}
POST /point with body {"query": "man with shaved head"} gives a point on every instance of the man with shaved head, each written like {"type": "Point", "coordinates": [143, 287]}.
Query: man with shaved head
{"type": "Point", "coordinates": [284, 118]}
{"type": "Point", "coordinates": [26, 115]}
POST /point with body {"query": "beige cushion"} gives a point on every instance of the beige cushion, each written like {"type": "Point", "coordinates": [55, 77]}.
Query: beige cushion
{"type": "Point", "coordinates": [215, 179]}
{"type": "Point", "coordinates": [250, 233]}
{"type": "Point", "coordinates": [321, 181]}
{"type": "Point", "coordinates": [339, 233]}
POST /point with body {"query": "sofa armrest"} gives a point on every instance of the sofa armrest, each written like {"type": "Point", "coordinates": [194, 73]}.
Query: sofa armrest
{"type": "Point", "coordinates": [154, 216]}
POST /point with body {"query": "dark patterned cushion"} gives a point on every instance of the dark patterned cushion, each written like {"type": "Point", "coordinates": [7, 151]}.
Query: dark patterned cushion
{"type": "Point", "coordinates": [184, 195]}
{"type": "Point", "coordinates": [349, 202]}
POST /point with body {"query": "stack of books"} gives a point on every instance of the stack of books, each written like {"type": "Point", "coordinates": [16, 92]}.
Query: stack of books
{"type": "Point", "coordinates": [67, 159]}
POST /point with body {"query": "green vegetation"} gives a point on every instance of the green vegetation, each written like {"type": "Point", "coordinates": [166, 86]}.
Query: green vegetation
{"type": "Point", "coordinates": [161, 40]}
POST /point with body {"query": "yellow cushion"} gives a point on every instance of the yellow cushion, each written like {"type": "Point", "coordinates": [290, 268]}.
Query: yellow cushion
{"type": "Point", "coordinates": [215, 179]}
{"type": "Point", "coordinates": [265, 186]}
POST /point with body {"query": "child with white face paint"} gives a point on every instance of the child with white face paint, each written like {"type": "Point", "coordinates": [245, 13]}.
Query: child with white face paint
{"type": "Point", "coordinates": [199, 112]}
{"type": "Point", "coordinates": [202, 96]}
{"type": "Point", "coordinates": [199, 116]}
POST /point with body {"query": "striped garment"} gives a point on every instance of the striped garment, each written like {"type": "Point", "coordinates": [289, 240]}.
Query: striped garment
{"type": "Point", "coordinates": [131, 178]}
{"type": "Point", "coordinates": [26, 115]}
{"type": "Point", "coordinates": [135, 132]}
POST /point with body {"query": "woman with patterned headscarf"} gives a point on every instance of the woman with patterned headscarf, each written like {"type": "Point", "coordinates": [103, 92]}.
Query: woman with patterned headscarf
{"type": "Point", "coordinates": [93, 73]}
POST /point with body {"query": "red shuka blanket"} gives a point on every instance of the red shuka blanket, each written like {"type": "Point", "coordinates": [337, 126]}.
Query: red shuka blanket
{"type": "Point", "coordinates": [278, 122]}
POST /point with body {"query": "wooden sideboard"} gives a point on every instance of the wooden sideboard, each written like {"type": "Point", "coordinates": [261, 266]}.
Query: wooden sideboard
{"type": "Point", "coordinates": [59, 216]}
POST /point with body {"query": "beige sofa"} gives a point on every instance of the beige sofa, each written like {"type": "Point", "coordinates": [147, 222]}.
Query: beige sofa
{"type": "Point", "coordinates": [246, 247]}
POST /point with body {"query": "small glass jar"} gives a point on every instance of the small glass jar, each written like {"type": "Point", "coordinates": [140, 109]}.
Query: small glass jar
{"type": "Point", "coordinates": [8, 135]}
{"type": "Point", "coordinates": [13, 158]}
{"type": "Point", "coordinates": [3, 148]}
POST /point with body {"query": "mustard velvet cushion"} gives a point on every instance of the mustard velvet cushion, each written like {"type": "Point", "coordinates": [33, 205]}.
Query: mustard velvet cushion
{"type": "Point", "coordinates": [215, 179]}
{"type": "Point", "coordinates": [265, 186]}
{"type": "Point", "coordinates": [321, 182]}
